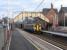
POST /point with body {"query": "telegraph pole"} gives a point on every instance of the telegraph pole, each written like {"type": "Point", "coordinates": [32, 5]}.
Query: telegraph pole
{"type": "Point", "coordinates": [64, 21]}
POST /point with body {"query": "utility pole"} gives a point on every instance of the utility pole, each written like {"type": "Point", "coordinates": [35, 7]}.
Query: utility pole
{"type": "Point", "coordinates": [64, 21]}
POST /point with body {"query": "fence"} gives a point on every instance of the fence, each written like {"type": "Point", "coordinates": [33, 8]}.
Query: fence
{"type": "Point", "coordinates": [1, 38]}
{"type": "Point", "coordinates": [5, 37]}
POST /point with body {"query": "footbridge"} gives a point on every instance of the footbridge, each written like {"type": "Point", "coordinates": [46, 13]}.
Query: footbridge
{"type": "Point", "coordinates": [30, 14]}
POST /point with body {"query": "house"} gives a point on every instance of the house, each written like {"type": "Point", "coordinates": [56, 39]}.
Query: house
{"type": "Point", "coordinates": [63, 16]}
{"type": "Point", "coordinates": [51, 14]}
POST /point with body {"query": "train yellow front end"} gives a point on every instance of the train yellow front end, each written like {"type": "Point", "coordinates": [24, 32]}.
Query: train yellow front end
{"type": "Point", "coordinates": [37, 27]}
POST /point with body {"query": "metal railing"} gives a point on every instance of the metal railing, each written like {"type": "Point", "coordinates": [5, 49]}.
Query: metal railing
{"type": "Point", "coordinates": [1, 38]}
{"type": "Point", "coordinates": [5, 38]}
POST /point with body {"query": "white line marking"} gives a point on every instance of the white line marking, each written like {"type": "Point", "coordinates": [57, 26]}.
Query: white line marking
{"type": "Point", "coordinates": [33, 43]}
{"type": "Point", "coordinates": [9, 41]}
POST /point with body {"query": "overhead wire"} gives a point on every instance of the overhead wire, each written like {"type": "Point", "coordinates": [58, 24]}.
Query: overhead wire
{"type": "Point", "coordinates": [39, 5]}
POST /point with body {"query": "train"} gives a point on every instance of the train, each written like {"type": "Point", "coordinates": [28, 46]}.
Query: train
{"type": "Point", "coordinates": [32, 27]}
{"type": "Point", "coordinates": [35, 25]}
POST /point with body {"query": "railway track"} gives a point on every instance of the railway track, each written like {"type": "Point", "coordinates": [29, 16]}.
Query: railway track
{"type": "Point", "coordinates": [54, 39]}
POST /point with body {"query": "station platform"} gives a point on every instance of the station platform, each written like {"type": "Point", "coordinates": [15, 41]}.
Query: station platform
{"type": "Point", "coordinates": [18, 42]}
{"type": "Point", "coordinates": [64, 34]}
{"type": "Point", "coordinates": [37, 42]}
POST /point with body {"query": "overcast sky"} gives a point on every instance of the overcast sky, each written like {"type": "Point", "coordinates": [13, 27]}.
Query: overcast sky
{"type": "Point", "coordinates": [13, 7]}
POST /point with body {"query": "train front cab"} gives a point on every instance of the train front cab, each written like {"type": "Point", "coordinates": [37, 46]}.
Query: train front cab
{"type": "Point", "coordinates": [37, 28]}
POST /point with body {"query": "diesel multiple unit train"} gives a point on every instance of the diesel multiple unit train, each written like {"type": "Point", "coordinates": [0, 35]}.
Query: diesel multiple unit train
{"type": "Point", "coordinates": [32, 25]}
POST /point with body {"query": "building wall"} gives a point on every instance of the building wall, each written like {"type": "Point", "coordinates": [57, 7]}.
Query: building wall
{"type": "Point", "coordinates": [50, 15]}
{"type": "Point", "coordinates": [62, 15]}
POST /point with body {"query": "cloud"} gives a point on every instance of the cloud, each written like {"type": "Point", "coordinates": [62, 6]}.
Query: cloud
{"type": "Point", "coordinates": [28, 5]}
{"type": "Point", "coordinates": [36, 1]}
{"type": "Point", "coordinates": [64, 3]}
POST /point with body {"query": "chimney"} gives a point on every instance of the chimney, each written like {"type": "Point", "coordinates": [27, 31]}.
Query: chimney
{"type": "Point", "coordinates": [51, 6]}
{"type": "Point", "coordinates": [61, 7]}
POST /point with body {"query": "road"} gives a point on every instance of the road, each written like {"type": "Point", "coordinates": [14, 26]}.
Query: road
{"type": "Point", "coordinates": [18, 42]}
